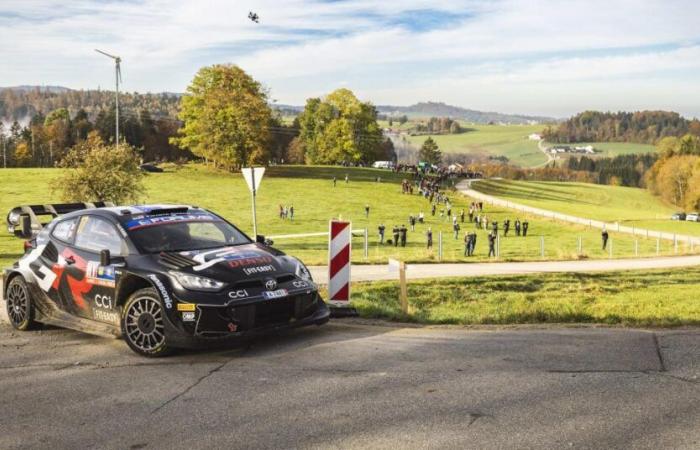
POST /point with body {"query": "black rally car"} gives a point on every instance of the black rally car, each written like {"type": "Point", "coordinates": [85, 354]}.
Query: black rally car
{"type": "Point", "coordinates": [160, 276]}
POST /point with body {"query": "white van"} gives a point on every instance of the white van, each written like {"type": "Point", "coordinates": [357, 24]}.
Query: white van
{"type": "Point", "coordinates": [383, 165]}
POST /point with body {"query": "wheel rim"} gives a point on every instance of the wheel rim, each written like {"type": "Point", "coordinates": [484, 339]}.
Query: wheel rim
{"type": "Point", "coordinates": [144, 324]}
{"type": "Point", "coordinates": [17, 303]}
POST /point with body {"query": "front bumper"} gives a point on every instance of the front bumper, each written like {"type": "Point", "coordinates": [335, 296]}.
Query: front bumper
{"type": "Point", "coordinates": [222, 324]}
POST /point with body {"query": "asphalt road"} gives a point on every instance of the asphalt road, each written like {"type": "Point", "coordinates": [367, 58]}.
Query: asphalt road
{"type": "Point", "coordinates": [351, 384]}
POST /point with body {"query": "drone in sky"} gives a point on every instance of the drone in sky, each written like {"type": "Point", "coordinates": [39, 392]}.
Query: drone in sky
{"type": "Point", "coordinates": [254, 17]}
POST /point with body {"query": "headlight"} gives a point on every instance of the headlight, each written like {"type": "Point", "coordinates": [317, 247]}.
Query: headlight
{"type": "Point", "coordinates": [197, 283]}
{"type": "Point", "coordinates": [302, 272]}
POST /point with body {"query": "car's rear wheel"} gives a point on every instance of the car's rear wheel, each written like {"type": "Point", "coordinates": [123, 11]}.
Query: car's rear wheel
{"type": "Point", "coordinates": [20, 309]}
{"type": "Point", "coordinates": [143, 324]}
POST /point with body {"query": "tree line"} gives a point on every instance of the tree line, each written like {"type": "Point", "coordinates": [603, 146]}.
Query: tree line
{"type": "Point", "coordinates": [675, 177]}
{"type": "Point", "coordinates": [46, 139]}
{"type": "Point", "coordinates": [23, 104]}
{"type": "Point", "coordinates": [643, 127]}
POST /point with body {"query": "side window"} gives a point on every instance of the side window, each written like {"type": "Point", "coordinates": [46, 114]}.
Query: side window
{"type": "Point", "coordinates": [96, 234]}
{"type": "Point", "coordinates": [63, 231]}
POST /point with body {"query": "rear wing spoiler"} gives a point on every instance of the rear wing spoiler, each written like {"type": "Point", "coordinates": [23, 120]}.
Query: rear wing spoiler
{"type": "Point", "coordinates": [25, 221]}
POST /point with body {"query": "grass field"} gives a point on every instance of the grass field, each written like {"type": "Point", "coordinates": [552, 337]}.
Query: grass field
{"type": "Point", "coordinates": [492, 140]}
{"type": "Point", "coordinates": [627, 205]}
{"type": "Point", "coordinates": [609, 298]}
{"type": "Point", "coordinates": [315, 200]}
{"type": "Point", "coordinates": [611, 149]}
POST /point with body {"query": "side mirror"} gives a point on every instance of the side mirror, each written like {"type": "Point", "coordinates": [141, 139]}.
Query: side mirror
{"type": "Point", "coordinates": [25, 227]}
{"type": "Point", "coordinates": [260, 239]}
{"type": "Point", "coordinates": [105, 258]}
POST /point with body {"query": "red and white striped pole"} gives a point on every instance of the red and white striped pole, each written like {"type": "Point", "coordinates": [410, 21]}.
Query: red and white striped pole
{"type": "Point", "coordinates": [339, 244]}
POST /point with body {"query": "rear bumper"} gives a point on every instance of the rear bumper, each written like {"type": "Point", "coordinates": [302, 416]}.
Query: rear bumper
{"type": "Point", "coordinates": [212, 326]}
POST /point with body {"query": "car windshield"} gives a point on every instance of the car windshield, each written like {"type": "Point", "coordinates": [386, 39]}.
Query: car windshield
{"type": "Point", "coordinates": [181, 232]}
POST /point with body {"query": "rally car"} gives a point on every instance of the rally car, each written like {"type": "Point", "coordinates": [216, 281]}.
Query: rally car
{"type": "Point", "coordinates": [160, 276]}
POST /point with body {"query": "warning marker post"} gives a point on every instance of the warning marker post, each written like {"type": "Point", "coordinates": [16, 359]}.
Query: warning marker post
{"type": "Point", "coordinates": [339, 252]}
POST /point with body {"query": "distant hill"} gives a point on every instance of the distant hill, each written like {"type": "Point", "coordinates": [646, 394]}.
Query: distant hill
{"type": "Point", "coordinates": [642, 127]}
{"type": "Point", "coordinates": [20, 102]}
{"type": "Point", "coordinates": [23, 102]}
{"type": "Point", "coordinates": [439, 109]}
{"type": "Point", "coordinates": [26, 88]}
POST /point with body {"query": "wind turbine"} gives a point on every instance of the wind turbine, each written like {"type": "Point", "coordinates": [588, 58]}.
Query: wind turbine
{"type": "Point", "coordinates": [118, 78]}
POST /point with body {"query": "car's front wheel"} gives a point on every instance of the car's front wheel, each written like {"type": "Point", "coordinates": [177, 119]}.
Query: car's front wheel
{"type": "Point", "coordinates": [143, 325]}
{"type": "Point", "coordinates": [20, 309]}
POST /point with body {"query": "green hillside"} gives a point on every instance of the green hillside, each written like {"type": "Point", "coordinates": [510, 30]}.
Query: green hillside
{"type": "Point", "coordinates": [315, 200]}
{"type": "Point", "coordinates": [492, 140]}
{"type": "Point", "coordinates": [627, 205]}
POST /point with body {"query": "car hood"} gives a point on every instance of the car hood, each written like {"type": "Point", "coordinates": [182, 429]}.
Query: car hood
{"type": "Point", "coordinates": [233, 263]}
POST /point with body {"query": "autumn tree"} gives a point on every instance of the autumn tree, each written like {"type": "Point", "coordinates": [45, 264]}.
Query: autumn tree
{"type": "Point", "coordinates": [340, 128]}
{"type": "Point", "coordinates": [226, 117]}
{"type": "Point", "coordinates": [99, 172]}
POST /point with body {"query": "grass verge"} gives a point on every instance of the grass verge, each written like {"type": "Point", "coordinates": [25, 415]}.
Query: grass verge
{"type": "Point", "coordinates": [657, 298]}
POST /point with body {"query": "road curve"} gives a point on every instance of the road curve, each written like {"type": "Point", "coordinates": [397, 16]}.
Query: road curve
{"type": "Point", "coordinates": [465, 188]}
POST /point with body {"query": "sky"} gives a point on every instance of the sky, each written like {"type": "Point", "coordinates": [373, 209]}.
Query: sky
{"type": "Point", "coordinates": [544, 57]}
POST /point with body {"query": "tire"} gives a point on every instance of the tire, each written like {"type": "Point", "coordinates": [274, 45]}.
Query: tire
{"type": "Point", "coordinates": [19, 305]}
{"type": "Point", "coordinates": [143, 324]}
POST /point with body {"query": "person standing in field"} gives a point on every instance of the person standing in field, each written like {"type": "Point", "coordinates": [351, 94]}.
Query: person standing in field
{"type": "Point", "coordinates": [291, 212]}
{"type": "Point", "coordinates": [472, 245]}
{"type": "Point", "coordinates": [506, 227]}
{"type": "Point", "coordinates": [366, 210]}
{"type": "Point", "coordinates": [395, 233]}
{"type": "Point", "coordinates": [467, 242]}
{"type": "Point", "coordinates": [432, 210]}
{"type": "Point", "coordinates": [517, 227]}
{"type": "Point", "coordinates": [429, 237]}
{"type": "Point", "coordinates": [604, 236]}
{"type": "Point", "coordinates": [461, 215]}
{"type": "Point", "coordinates": [455, 228]}
{"type": "Point", "coordinates": [492, 244]}
{"type": "Point", "coordinates": [335, 181]}
{"type": "Point", "coordinates": [402, 232]}
{"type": "Point", "coordinates": [381, 229]}
{"type": "Point", "coordinates": [347, 178]}
{"type": "Point", "coordinates": [526, 225]}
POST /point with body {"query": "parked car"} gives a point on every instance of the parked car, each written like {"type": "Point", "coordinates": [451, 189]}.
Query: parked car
{"type": "Point", "coordinates": [678, 216]}
{"type": "Point", "coordinates": [160, 276]}
{"type": "Point", "coordinates": [693, 217]}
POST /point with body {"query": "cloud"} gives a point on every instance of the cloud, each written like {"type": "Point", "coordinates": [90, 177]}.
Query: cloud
{"type": "Point", "coordinates": [392, 51]}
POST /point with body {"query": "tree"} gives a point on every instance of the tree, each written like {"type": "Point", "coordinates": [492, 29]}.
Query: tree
{"type": "Point", "coordinates": [100, 172]}
{"type": "Point", "coordinates": [226, 117]}
{"type": "Point", "coordinates": [429, 152]}
{"type": "Point", "coordinates": [340, 129]}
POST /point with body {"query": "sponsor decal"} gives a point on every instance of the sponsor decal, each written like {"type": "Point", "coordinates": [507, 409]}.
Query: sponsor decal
{"type": "Point", "coordinates": [188, 316]}
{"type": "Point", "coordinates": [100, 275]}
{"type": "Point", "coordinates": [163, 292]}
{"type": "Point", "coordinates": [242, 293]}
{"type": "Point", "coordinates": [259, 269]}
{"type": "Point", "coordinates": [232, 327]}
{"type": "Point", "coordinates": [104, 301]}
{"type": "Point", "coordinates": [186, 306]}
{"type": "Point", "coordinates": [235, 258]}
{"type": "Point", "coordinates": [106, 316]}
{"type": "Point", "coordinates": [300, 284]}
{"type": "Point", "coordinates": [143, 222]}
{"type": "Point", "coordinates": [257, 260]}
{"type": "Point", "coordinates": [269, 295]}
